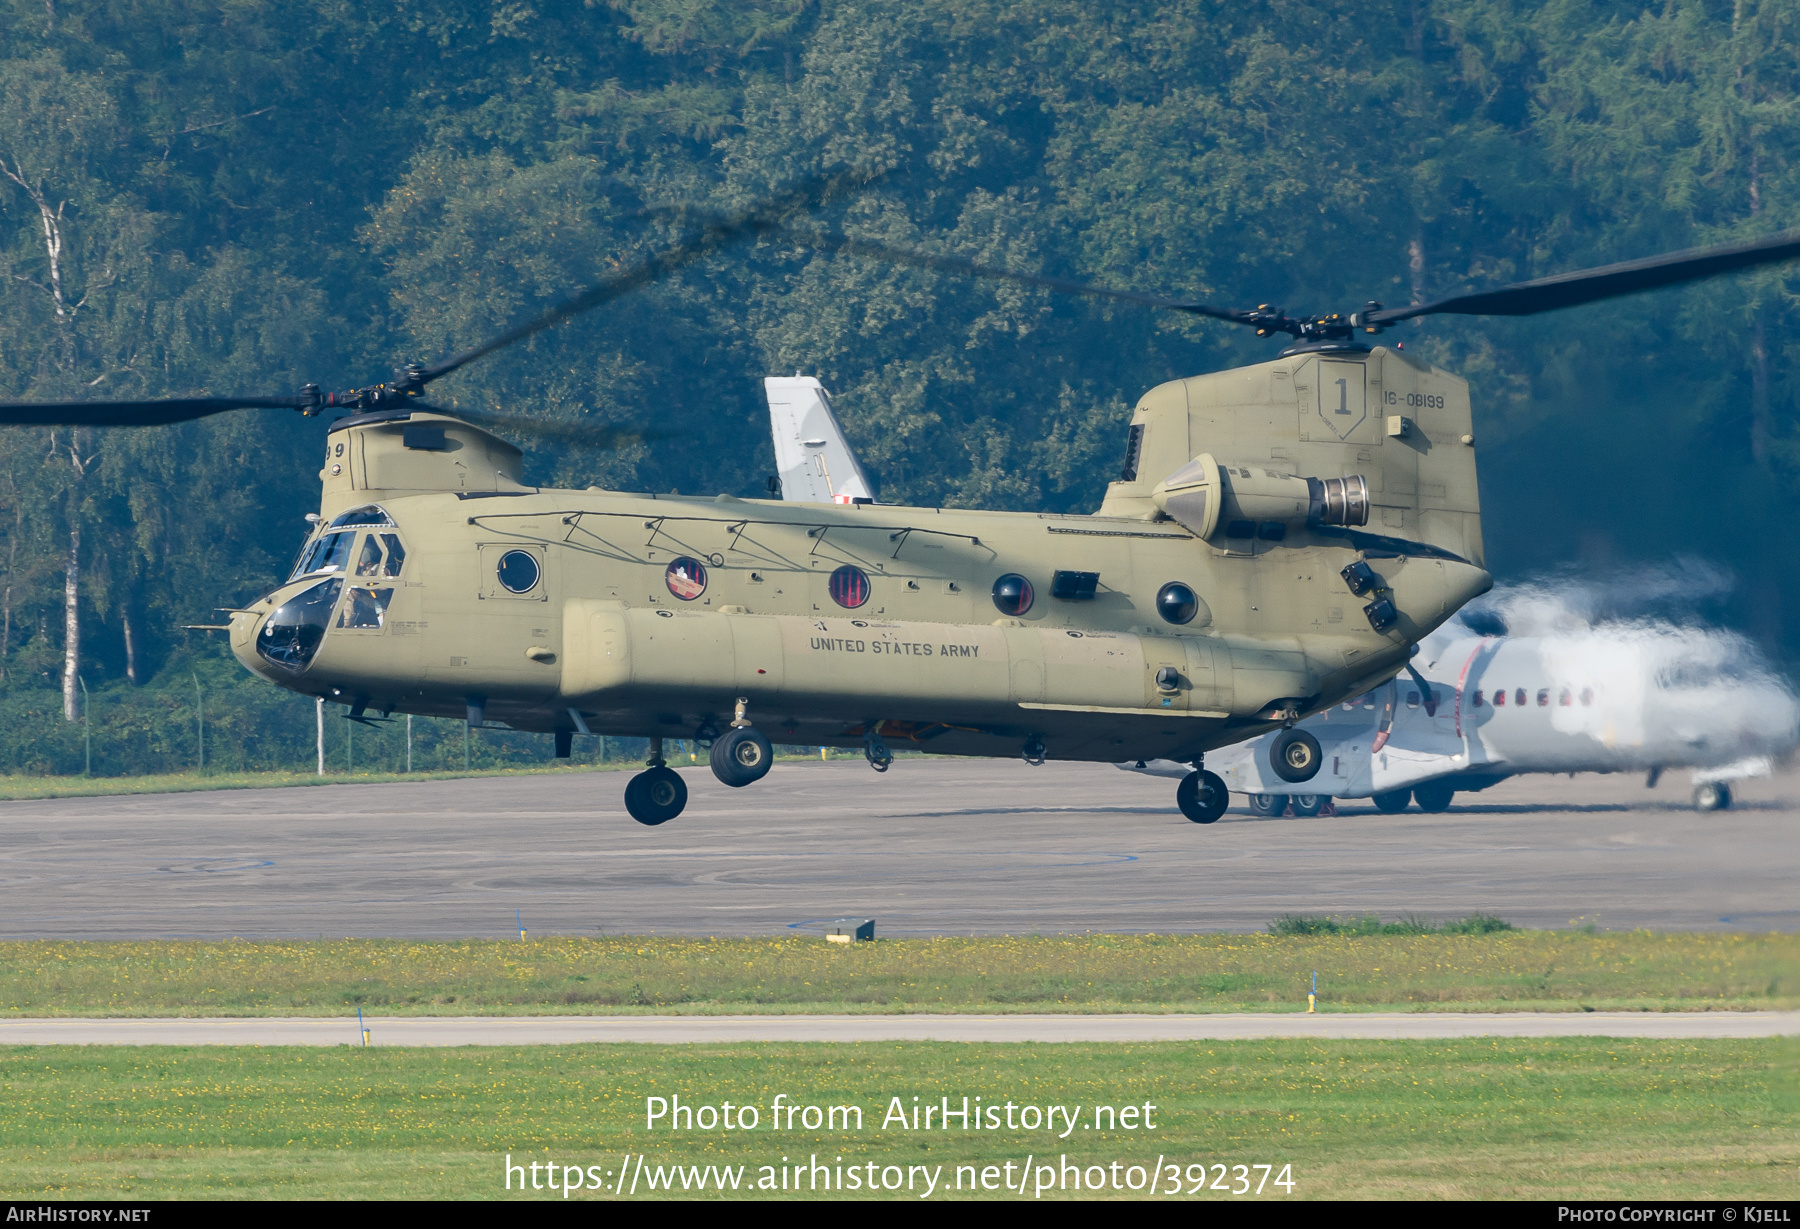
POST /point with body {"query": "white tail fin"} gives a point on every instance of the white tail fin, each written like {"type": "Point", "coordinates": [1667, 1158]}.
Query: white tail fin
{"type": "Point", "coordinates": [811, 454]}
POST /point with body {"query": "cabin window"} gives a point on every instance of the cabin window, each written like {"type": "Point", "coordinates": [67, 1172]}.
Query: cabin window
{"type": "Point", "coordinates": [1519, 697]}
{"type": "Point", "coordinates": [1587, 696]}
{"type": "Point", "coordinates": [368, 514]}
{"type": "Point", "coordinates": [365, 608]}
{"type": "Point", "coordinates": [291, 635]}
{"type": "Point", "coordinates": [685, 577]}
{"type": "Point", "coordinates": [1564, 698]}
{"type": "Point", "coordinates": [368, 560]}
{"type": "Point", "coordinates": [1013, 594]}
{"type": "Point", "coordinates": [1176, 603]}
{"type": "Point", "coordinates": [329, 553]}
{"type": "Point", "coordinates": [1500, 697]}
{"type": "Point", "coordinates": [518, 571]}
{"type": "Point", "coordinates": [1476, 703]}
{"type": "Point", "coordinates": [396, 554]}
{"type": "Point", "coordinates": [381, 555]}
{"type": "Point", "coordinates": [1543, 697]}
{"type": "Point", "coordinates": [849, 587]}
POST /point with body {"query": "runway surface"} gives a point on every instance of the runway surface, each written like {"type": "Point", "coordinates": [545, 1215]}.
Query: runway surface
{"type": "Point", "coordinates": [571, 1030]}
{"type": "Point", "coordinates": [932, 847]}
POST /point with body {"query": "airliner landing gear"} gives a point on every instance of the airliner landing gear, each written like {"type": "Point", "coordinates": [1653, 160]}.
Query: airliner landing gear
{"type": "Point", "coordinates": [658, 794]}
{"type": "Point", "coordinates": [1712, 796]}
{"type": "Point", "coordinates": [1393, 802]}
{"type": "Point", "coordinates": [1202, 796]}
{"type": "Point", "coordinates": [1268, 804]}
{"type": "Point", "coordinates": [1434, 796]}
{"type": "Point", "coordinates": [1309, 805]}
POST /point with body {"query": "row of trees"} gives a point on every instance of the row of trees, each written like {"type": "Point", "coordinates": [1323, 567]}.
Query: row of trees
{"type": "Point", "coordinates": [240, 198]}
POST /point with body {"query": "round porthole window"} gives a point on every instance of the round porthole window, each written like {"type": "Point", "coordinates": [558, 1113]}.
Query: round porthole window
{"type": "Point", "coordinates": [686, 578]}
{"type": "Point", "coordinates": [849, 587]}
{"type": "Point", "coordinates": [1177, 603]}
{"type": "Point", "coordinates": [1013, 594]}
{"type": "Point", "coordinates": [518, 571]}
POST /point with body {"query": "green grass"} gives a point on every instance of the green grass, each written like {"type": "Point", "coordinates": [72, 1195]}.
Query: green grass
{"type": "Point", "coordinates": [1509, 970]}
{"type": "Point", "coordinates": [1477, 1119]}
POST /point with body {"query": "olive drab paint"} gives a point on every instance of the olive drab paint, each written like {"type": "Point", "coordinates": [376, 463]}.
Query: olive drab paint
{"type": "Point", "coordinates": [610, 638]}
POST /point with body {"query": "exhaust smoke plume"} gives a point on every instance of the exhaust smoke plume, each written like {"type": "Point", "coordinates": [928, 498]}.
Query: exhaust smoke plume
{"type": "Point", "coordinates": [1663, 674]}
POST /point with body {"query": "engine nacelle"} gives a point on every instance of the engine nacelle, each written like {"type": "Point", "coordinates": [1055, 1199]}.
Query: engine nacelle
{"type": "Point", "coordinates": [1203, 494]}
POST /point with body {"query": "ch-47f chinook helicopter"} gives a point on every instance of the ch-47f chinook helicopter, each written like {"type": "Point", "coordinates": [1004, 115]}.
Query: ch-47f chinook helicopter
{"type": "Point", "coordinates": [1281, 536]}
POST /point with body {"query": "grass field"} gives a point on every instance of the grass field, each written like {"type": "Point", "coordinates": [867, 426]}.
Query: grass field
{"type": "Point", "coordinates": [1576, 1118]}
{"type": "Point", "coordinates": [1509, 970]}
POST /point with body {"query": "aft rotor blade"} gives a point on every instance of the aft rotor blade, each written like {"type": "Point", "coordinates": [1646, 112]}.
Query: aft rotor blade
{"type": "Point", "coordinates": [835, 242]}
{"type": "Point", "coordinates": [132, 413]}
{"type": "Point", "coordinates": [716, 234]}
{"type": "Point", "coordinates": [1607, 282]}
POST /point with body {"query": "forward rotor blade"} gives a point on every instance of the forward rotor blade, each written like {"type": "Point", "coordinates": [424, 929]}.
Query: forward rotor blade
{"type": "Point", "coordinates": [603, 436]}
{"type": "Point", "coordinates": [132, 413]}
{"type": "Point", "coordinates": [716, 234]}
{"type": "Point", "coordinates": [836, 242]}
{"type": "Point", "coordinates": [1607, 282]}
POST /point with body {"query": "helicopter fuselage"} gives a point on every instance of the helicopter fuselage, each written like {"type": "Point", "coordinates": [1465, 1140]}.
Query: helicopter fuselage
{"type": "Point", "coordinates": [452, 589]}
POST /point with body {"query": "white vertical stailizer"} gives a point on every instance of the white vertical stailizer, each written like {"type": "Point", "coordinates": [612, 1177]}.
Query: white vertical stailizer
{"type": "Point", "coordinates": [811, 454]}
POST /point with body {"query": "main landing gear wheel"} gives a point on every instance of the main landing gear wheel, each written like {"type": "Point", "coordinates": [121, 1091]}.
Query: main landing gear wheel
{"type": "Point", "coordinates": [1296, 756]}
{"type": "Point", "coordinates": [1434, 796]}
{"type": "Point", "coordinates": [742, 757]}
{"type": "Point", "coordinates": [1268, 804]}
{"type": "Point", "coordinates": [1393, 802]}
{"type": "Point", "coordinates": [656, 796]}
{"type": "Point", "coordinates": [1202, 796]}
{"type": "Point", "coordinates": [1712, 796]}
{"type": "Point", "coordinates": [1309, 805]}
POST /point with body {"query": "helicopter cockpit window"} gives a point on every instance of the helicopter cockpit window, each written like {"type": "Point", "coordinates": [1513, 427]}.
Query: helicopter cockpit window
{"type": "Point", "coordinates": [291, 635]}
{"type": "Point", "coordinates": [368, 514]}
{"type": "Point", "coordinates": [381, 555]}
{"type": "Point", "coordinates": [329, 553]}
{"type": "Point", "coordinates": [365, 608]}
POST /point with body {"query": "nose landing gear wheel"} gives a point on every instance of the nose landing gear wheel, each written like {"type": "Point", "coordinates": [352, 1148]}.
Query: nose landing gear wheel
{"type": "Point", "coordinates": [742, 757]}
{"type": "Point", "coordinates": [1393, 802]}
{"type": "Point", "coordinates": [1202, 796]}
{"type": "Point", "coordinates": [656, 796]}
{"type": "Point", "coordinates": [1296, 756]}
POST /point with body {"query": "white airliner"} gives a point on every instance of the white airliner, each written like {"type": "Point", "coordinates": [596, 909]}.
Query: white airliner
{"type": "Point", "coordinates": [1628, 697]}
{"type": "Point", "coordinates": [1473, 709]}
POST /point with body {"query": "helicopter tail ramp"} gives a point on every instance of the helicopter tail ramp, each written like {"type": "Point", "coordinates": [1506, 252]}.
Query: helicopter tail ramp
{"type": "Point", "coordinates": [811, 454]}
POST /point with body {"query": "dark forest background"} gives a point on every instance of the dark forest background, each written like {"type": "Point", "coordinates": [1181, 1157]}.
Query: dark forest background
{"type": "Point", "coordinates": [199, 196]}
